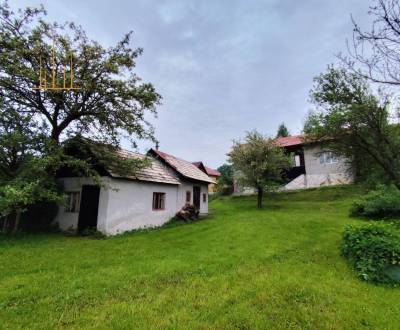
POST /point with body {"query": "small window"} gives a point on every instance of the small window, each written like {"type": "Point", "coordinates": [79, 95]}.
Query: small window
{"type": "Point", "coordinates": [73, 201]}
{"type": "Point", "coordinates": [158, 201]}
{"type": "Point", "coordinates": [328, 158]}
{"type": "Point", "coordinates": [204, 198]}
{"type": "Point", "coordinates": [297, 160]}
{"type": "Point", "coordinates": [188, 197]}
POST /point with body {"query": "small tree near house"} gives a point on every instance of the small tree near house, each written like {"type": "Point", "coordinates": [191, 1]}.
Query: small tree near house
{"type": "Point", "coordinates": [260, 163]}
{"type": "Point", "coordinates": [225, 180]}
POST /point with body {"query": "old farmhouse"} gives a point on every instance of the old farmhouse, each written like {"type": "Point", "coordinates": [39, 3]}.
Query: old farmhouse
{"type": "Point", "coordinates": [149, 198]}
{"type": "Point", "coordinates": [312, 166]}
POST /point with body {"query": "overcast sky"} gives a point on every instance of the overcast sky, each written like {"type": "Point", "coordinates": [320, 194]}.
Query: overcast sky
{"type": "Point", "coordinates": [222, 67]}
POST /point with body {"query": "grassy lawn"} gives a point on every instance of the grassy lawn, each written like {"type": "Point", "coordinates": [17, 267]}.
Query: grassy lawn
{"type": "Point", "coordinates": [240, 268]}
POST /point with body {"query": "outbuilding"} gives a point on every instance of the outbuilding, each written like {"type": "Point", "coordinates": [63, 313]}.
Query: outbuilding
{"type": "Point", "coordinates": [149, 198]}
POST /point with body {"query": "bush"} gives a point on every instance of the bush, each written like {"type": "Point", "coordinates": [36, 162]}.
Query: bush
{"type": "Point", "coordinates": [225, 190]}
{"type": "Point", "coordinates": [374, 251]}
{"type": "Point", "coordinates": [382, 203]}
{"type": "Point", "coordinates": [39, 217]}
{"type": "Point", "coordinates": [188, 212]}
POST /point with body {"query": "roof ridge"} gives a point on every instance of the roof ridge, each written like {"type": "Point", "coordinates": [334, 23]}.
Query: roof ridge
{"type": "Point", "coordinates": [183, 167]}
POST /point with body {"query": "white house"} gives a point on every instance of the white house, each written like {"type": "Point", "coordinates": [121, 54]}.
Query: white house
{"type": "Point", "coordinates": [123, 202]}
{"type": "Point", "coordinates": [312, 166]}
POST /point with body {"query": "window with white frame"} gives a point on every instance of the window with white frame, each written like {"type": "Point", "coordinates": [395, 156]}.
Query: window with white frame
{"type": "Point", "coordinates": [328, 157]}
{"type": "Point", "coordinates": [73, 201]}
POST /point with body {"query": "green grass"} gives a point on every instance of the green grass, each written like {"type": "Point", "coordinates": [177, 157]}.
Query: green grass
{"type": "Point", "coordinates": [275, 268]}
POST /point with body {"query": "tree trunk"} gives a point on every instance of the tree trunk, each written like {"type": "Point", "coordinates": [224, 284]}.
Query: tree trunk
{"type": "Point", "coordinates": [16, 223]}
{"type": "Point", "coordinates": [260, 193]}
{"type": "Point", "coordinates": [5, 224]}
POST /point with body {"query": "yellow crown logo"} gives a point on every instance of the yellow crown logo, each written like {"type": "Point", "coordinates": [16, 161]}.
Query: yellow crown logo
{"type": "Point", "coordinates": [45, 86]}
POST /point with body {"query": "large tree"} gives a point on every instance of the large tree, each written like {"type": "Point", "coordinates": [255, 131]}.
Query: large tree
{"type": "Point", "coordinates": [112, 101]}
{"type": "Point", "coordinates": [259, 163]}
{"type": "Point", "coordinates": [354, 122]}
{"type": "Point", "coordinates": [36, 126]}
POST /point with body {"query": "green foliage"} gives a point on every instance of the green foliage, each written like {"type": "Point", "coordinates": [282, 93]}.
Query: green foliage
{"type": "Point", "coordinates": [259, 161]}
{"type": "Point", "coordinates": [372, 249]}
{"type": "Point", "coordinates": [225, 180]}
{"type": "Point", "coordinates": [31, 185]}
{"type": "Point", "coordinates": [112, 101]}
{"type": "Point", "coordinates": [282, 131]}
{"type": "Point", "coordinates": [379, 204]}
{"type": "Point", "coordinates": [84, 157]}
{"type": "Point", "coordinates": [355, 123]}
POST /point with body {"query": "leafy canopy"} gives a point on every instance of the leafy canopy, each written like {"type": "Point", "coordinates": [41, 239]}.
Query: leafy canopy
{"type": "Point", "coordinates": [259, 162]}
{"type": "Point", "coordinates": [112, 102]}
{"type": "Point", "coordinates": [353, 122]}
{"type": "Point", "coordinates": [38, 127]}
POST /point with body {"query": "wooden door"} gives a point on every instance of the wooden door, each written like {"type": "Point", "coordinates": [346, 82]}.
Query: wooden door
{"type": "Point", "coordinates": [89, 207]}
{"type": "Point", "coordinates": [196, 197]}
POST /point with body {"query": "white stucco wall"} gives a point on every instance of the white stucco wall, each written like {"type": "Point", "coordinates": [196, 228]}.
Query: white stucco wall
{"type": "Point", "coordinates": [127, 205]}
{"type": "Point", "coordinates": [318, 174]}
{"type": "Point", "coordinates": [130, 206]}
{"type": "Point", "coordinates": [188, 186]}
{"type": "Point", "coordinates": [68, 221]}
{"type": "Point", "coordinates": [204, 205]}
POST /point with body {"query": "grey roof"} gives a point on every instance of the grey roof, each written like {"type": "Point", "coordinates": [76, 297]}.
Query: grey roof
{"type": "Point", "coordinates": [183, 167]}
{"type": "Point", "coordinates": [154, 173]}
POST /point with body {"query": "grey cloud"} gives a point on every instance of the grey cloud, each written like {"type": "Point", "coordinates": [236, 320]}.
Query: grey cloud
{"type": "Point", "coordinates": [222, 67]}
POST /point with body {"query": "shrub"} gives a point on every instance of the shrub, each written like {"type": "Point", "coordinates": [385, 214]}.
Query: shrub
{"type": "Point", "coordinates": [188, 212]}
{"type": "Point", "coordinates": [39, 217]}
{"type": "Point", "coordinates": [382, 203]}
{"type": "Point", "coordinates": [374, 250]}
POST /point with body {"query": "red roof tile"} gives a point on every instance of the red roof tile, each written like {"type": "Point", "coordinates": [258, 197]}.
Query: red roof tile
{"type": "Point", "coordinates": [289, 141]}
{"type": "Point", "coordinates": [208, 170]}
{"type": "Point", "coordinates": [212, 172]}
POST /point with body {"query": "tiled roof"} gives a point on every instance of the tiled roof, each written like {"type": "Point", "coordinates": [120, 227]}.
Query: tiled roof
{"type": "Point", "coordinates": [212, 172]}
{"type": "Point", "coordinates": [198, 164]}
{"type": "Point", "coordinates": [154, 173]}
{"type": "Point", "coordinates": [289, 141]}
{"type": "Point", "coordinates": [209, 171]}
{"type": "Point", "coordinates": [183, 167]}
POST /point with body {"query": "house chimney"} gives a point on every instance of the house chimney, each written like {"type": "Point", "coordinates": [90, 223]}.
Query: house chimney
{"type": "Point", "coordinates": [157, 145]}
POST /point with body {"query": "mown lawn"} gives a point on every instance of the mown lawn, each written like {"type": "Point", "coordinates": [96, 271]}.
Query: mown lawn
{"type": "Point", "coordinates": [274, 268]}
